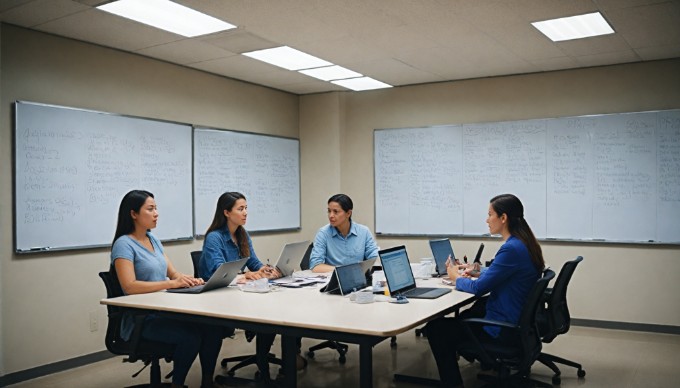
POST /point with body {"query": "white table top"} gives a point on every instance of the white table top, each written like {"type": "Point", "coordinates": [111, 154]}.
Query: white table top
{"type": "Point", "coordinates": [304, 307]}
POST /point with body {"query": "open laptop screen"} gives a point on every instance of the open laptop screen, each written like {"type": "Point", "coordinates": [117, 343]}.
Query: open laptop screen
{"type": "Point", "coordinates": [397, 269]}
{"type": "Point", "coordinates": [441, 249]}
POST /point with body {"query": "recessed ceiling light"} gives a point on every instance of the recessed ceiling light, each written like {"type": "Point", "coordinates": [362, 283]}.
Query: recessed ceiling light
{"type": "Point", "coordinates": [330, 73]}
{"type": "Point", "coordinates": [363, 83]}
{"type": "Point", "coordinates": [167, 15]}
{"type": "Point", "coordinates": [574, 27]}
{"type": "Point", "coordinates": [288, 58]}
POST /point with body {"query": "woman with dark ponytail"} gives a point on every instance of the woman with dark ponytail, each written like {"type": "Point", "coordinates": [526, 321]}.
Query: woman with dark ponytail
{"type": "Point", "coordinates": [515, 268]}
{"type": "Point", "coordinates": [142, 266]}
{"type": "Point", "coordinates": [227, 240]}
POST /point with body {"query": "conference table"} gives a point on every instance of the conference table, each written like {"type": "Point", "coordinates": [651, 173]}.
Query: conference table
{"type": "Point", "coordinates": [302, 312]}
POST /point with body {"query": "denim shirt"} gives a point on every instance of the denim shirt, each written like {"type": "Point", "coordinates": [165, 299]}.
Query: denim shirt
{"type": "Point", "coordinates": [219, 248]}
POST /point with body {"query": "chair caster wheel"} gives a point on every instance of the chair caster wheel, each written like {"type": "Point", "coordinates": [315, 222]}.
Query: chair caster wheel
{"type": "Point", "coordinates": [556, 380]}
{"type": "Point", "coordinates": [310, 354]}
{"type": "Point", "coordinates": [224, 364]}
{"type": "Point", "coordinates": [231, 373]}
{"type": "Point", "coordinates": [342, 360]}
{"type": "Point", "coordinates": [581, 373]}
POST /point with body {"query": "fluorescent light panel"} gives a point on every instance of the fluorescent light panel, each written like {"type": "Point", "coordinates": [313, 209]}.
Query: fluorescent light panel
{"type": "Point", "coordinates": [363, 83]}
{"type": "Point", "coordinates": [288, 58]}
{"type": "Point", "coordinates": [168, 16]}
{"type": "Point", "coordinates": [574, 27]}
{"type": "Point", "coordinates": [331, 73]}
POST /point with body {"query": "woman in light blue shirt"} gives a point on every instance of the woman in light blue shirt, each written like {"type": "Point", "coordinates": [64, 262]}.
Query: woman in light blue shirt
{"type": "Point", "coordinates": [342, 241]}
{"type": "Point", "coordinates": [142, 266]}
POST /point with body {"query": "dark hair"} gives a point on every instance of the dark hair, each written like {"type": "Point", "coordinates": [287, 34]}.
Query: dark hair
{"type": "Point", "coordinates": [134, 200]}
{"type": "Point", "coordinates": [511, 206]}
{"type": "Point", "coordinates": [344, 201]}
{"type": "Point", "coordinates": [227, 202]}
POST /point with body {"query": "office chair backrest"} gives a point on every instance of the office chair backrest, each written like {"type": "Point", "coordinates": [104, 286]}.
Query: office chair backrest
{"type": "Point", "coordinates": [304, 264]}
{"type": "Point", "coordinates": [556, 312]}
{"type": "Point", "coordinates": [529, 335]}
{"type": "Point", "coordinates": [113, 341]}
{"type": "Point", "coordinates": [195, 259]}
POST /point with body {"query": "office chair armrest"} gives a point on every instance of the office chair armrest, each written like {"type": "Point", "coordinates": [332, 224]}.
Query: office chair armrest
{"type": "Point", "coordinates": [489, 322]}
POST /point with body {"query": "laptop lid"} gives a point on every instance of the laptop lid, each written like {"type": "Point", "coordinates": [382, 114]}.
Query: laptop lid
{"type": "Point", "coordinates": [222, 277]}
{"type": "Point", "coordinates": [291, 257]}
{"type": "Point", "coordinates": [441, 250]}
{"type": "Point", "coordinates": [350, 278]}
{"type": "Point", "coordinates": [397, 269]}
{"type": "Point", "coordinates": [346, 278]}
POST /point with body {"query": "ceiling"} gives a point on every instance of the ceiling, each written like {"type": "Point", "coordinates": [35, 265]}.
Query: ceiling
{"type": "Point", "coordinates": [400, 42]}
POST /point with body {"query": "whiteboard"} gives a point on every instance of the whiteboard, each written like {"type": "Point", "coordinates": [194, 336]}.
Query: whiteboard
{"type": "Point", "coordinates": [266, 169]}
{"type": "Point", "coordinates": [73, 167]}
{"type": "Point", "coordinates": [591, 178]}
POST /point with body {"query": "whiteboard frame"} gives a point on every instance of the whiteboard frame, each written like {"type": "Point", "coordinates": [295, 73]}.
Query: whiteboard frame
{"type": "Point", "coordinates": [196, 128]}
{"type": "Point", "coordinates": [488, 236]}
{"type": "Point", "coordinates": [15, 122]}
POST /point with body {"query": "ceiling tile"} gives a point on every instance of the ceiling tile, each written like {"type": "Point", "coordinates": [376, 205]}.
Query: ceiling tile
{"type": "Point", "coordinates": [108, 30]}
{"type": "Point", "coordinates": [602, 59]}
{"type": "Point", "coordinates": [40, 11]}
{"type": "Point", "coordinates": [395, 72]}
{"type": "Point", "coordinates": [658, 52]}
{"type": "Point", "coordinates": [644, 26]}
{"type": "Point", "coordinates": [239, 41]}
{"type": "Point", "coordinates": [185, 51]}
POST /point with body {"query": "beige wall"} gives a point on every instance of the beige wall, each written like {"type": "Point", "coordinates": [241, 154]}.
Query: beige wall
{"type": "Point", "coordinates": [49, 321]}
{"type": "Point", "coordinates": [46, 299]}
{"type": "Point", "coordinates": [626, 283]}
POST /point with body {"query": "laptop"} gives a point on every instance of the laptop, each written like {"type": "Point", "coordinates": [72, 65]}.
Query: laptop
{"type": "Point", "coordinates": [291, 257]}
{"type": "Point", "coordinates": [350, 277]}
{"type": "Point", "coordinates": [223, 276]}
{"type": "Point", "coordinates": [400, 280]}
{"type": "Point", "coordinates": [441, 250]}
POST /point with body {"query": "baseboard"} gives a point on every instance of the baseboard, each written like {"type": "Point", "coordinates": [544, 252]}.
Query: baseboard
{"type": "Point", "coordinates": [59, 366]}
{"type": "Point", "coordinates": [630, 326]}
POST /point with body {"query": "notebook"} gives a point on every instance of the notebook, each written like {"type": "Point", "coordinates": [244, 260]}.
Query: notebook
{"type": "Point", "coordinates": [400, 280]}
{"type": "Point", "coordinates": [350, 277]}
{"type": "Point", "coordinates": [441, 250]}
{"type": "Point", "coordinates": [291, 257]}
{"type": "Point", "coordinates": [223, 276]}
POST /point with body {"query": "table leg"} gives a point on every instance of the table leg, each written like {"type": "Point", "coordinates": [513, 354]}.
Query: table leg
{"type": "Point", "coordinates": [365, 365]}
{"type": "Point", "coordinates": [289, 356]}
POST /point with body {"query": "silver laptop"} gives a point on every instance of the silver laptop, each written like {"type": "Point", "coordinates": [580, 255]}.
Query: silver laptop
{"type": "Point", "coordinates": [223, 276]}
{"type": "Point", "coordinates": [400, 279]}
{"type": "Point", "coordinates": [291, 257]}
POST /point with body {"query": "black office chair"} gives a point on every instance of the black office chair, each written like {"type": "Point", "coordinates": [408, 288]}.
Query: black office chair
{"type": "Point", "coordinates": [554, 319]}
{"type": "Point", "coordinates": [520, 351]}
{"type": "Point", "coordinates": [335, 345]}
{"type": "Point", "coordinates": [137, 348]}
{"type": "Point", "coordinates": [195, 258]}
{"type": "Point", "coordinates": [244, 360]}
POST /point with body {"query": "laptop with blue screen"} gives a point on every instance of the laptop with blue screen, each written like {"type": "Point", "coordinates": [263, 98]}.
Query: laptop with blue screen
{"type": "Point", "coordinates": [400, 279]}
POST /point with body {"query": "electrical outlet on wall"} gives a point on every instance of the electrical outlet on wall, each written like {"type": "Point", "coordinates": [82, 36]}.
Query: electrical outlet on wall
{"type": "Point", "coordinates": [94, 325]}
